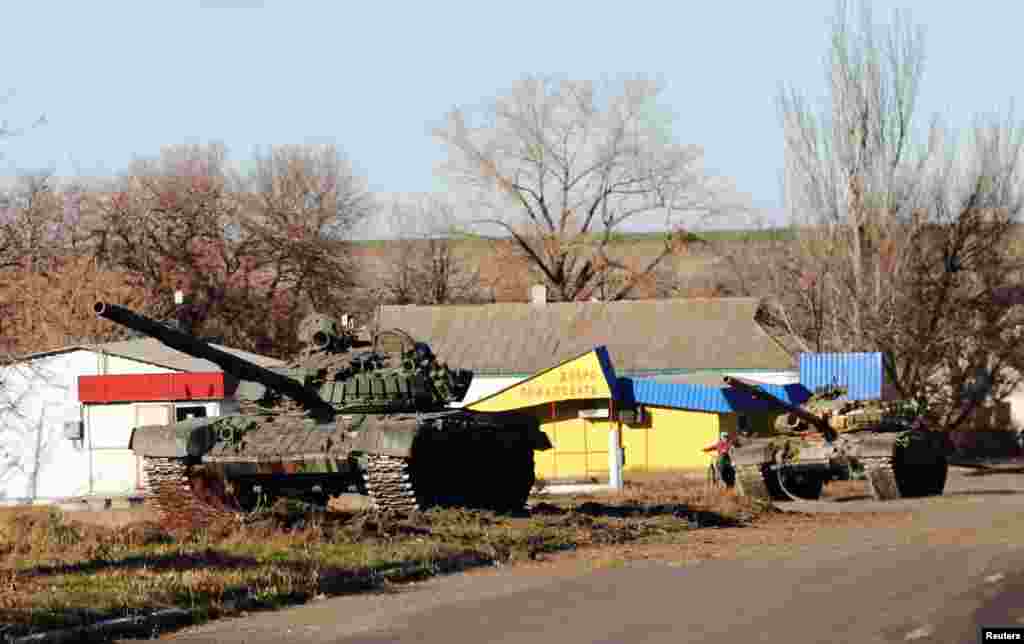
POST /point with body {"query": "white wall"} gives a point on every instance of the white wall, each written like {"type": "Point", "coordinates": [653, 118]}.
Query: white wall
{"type": "Point", "coordinates": [115, 469]}
{"type": "Point", "coordinates": [769, 377]}
{"type": "Point", "coordinates": [36, 399]}
{"type": "Point", "coordinates": [1016, 400]}
{"type": "Point", "coordinates": [483, 386]}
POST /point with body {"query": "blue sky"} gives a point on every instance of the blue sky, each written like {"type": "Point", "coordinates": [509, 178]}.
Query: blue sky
{"type": "Point", "coordinates": [122, 78]}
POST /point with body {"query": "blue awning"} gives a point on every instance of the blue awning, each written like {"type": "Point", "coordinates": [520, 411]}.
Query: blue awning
{"type": "Point", "coordinates": [723, 400]}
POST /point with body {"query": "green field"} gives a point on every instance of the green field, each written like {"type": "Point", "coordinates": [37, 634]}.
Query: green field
{"type": "Point", "coordinates": [627, 238]}
{"type": "Point", "coordinates": [630, 237]}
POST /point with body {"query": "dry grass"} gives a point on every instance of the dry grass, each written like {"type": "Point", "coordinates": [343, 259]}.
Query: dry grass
{"type": "Point", "coordinates": [57, 570]}
{"type": "Point", "coordinates": [68, 569]}
{"type": "Point", "coordinates": [846, 490]}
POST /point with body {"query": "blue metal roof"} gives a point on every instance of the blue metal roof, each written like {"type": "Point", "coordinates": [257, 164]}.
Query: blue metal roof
{"type": "Point", "coordinates": [721, 400]}
{"type": "Point", "coordinates": [860, 373]}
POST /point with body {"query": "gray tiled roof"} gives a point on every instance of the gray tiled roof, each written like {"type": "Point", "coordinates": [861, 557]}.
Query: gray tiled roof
{"type": "Point", "coordinates": [154, 352]}
{"type": "Point", "coordinates": [692, 333]}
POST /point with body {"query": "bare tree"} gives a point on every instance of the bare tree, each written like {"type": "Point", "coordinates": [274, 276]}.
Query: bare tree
{"type": "Point", "coordinates": [900, 247]}
{"type": "Point", "coordinates": [7, 131]}
{"type": "Point", "coordinates": [560, 167]}
{"type": "Point", "coordinates": [165, 222]}
{"type": "Point", "coordinates": [253, 253]}
{"type": "Point", "coordinates": [300, 213]}
{"type": "Point", "coordinates": [42, 270]}
{"type": "Point", "coordinates": [423, 264]}
{"type": "Point", "coordinates": [38, 221]}
{"type": "Point", "coordinates": [26, 445]}
{"type": "Point", "coordinates": [11, 235]}
{"type": "Point", "coordinates": [51, 306]}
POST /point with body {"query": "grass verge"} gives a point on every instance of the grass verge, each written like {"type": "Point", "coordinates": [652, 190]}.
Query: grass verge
{"type": "Point", "coordinates": [60, 572]}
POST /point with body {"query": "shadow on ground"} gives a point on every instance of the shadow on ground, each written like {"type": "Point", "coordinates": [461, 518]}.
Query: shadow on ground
{"type": "Point", "coordinates": [331, 580]}
{"type": "Point", "coordinates": [989, 471]}
{"type": "Point", "coordinates": [865, 497]}
{"type": "Point", "coordinates": [470, 539]}
{"type": "Point", "coordinates": [629, 510]}
{"type": "Point", "coordinates": [998, 492]}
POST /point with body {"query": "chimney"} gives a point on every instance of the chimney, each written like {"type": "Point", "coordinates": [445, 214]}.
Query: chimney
{"type": "Point", "coordinates": [538, 295]}
{"type": "Point", "coordinates": [183, 313]}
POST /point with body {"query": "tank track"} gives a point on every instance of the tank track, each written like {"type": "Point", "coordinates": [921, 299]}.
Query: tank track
{"type": "Point", "coordinates": [881, 478]}
{"type": "Point", "coordinates": [169, 489]}
{"type": "Point", "coordinates": [389, 483]}
{"type": "Point", "coordinates": [172, 490]}
{"type": "Point", "coordinates": [751, 484]}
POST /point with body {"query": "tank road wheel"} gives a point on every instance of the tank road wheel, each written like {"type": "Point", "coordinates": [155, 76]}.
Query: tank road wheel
{"type": "Point", "coordinates": [213, 491]}
{"type": "Point", "coordinates": [800, 486]}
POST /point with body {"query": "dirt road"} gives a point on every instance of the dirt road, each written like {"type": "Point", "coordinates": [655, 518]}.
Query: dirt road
{"type": "Point", "coordinates": [932, 576]}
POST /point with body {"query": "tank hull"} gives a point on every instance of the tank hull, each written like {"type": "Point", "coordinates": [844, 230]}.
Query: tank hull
{"type": "Point", "coordinates": [898, 462]}
{"type": "Point", "coordinates": [198, 470]}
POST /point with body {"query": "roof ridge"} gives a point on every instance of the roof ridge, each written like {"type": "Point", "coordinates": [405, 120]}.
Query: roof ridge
{"type": "Point", "coordinates": [581, 304]}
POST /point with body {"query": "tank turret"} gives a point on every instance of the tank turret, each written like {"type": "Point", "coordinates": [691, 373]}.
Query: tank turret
{"type": "Point", "coordinates": [365, 381]}
{"type": "Point", "coordinates": [813, 413]}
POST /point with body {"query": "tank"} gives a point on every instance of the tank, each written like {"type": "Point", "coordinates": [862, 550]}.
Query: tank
{"type": "Point", "coordinates": [827, 436]}
{"type": "Point", "coordinates": [372, 418]}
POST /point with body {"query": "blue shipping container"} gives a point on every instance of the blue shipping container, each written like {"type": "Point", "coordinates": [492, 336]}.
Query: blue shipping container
{"type": "Point", "coordinates": [860, 373]}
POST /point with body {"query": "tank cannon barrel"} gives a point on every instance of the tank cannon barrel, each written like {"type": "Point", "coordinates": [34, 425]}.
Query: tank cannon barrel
{"type": "Point", "coordinates": [760, 394]}
{"type": "Point", "coordinates": [231, 364]}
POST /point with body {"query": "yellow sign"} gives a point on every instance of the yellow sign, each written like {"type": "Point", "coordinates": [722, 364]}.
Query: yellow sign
{"type": "Point", "coordinates": [580, 378]}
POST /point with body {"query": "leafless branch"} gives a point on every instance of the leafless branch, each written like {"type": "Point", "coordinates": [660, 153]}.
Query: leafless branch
{"type": "Point", "coordinates": [561, 165]}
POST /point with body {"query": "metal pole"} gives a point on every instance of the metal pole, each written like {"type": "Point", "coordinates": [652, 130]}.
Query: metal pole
{"type": "Point", "coordinates": [614, 449]}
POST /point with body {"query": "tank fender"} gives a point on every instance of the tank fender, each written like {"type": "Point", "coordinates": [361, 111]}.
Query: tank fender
{"type": "Point", "coordinates": [515, 428]}
{"type": "Point", "coordinates": [381, 437]}
{"type": "Point", "coordinates": [189, 438]}
{"type": "Point", "coordinates": [373, 436]}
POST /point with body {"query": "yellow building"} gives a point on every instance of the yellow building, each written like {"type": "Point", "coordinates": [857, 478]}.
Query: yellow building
{"type": "Point", "coordinates": [560, 361]}
{"type": "Point", "coordinates": [663, 426]}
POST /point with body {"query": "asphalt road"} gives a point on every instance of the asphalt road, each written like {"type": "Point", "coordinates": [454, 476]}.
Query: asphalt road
{"type": "Point", "coordinates": [957, 564]}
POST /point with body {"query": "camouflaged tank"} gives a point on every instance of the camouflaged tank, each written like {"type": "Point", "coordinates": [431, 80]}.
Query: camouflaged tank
{"type": "Point", "coordinates": [825, 437]}
{"type": "Point", "coordinates": [375, 422]}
